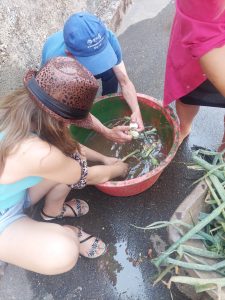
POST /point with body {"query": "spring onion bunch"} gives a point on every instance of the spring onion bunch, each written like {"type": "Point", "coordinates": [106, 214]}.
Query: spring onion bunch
{"type": "Point", "coordinates": [209, 229]}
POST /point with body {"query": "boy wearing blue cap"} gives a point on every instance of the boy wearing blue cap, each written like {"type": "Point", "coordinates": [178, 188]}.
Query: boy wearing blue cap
{"type": "Point", "coordinates": [87, 39]}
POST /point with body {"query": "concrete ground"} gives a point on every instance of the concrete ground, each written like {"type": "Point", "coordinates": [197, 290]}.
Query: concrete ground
{"type": "Point", "coordinates": [126, 272]}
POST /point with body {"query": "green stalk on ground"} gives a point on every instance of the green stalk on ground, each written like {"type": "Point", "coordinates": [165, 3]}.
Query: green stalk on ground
{"type": "Point", "coordinates": [211, 228]}
{"type": "Point", "coordinates": [189, 234]}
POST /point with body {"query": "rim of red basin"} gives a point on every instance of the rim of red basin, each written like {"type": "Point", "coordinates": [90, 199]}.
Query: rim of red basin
{"type": "Point", "coordinates": [172, 119]}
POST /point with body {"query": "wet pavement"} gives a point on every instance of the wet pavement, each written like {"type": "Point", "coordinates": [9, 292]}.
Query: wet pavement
{"type": "Point", "coordinates": [126, 272]}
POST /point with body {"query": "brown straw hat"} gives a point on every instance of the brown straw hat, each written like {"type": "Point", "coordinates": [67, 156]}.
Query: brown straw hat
{"type": "Point", "coordinates": [63, 88]}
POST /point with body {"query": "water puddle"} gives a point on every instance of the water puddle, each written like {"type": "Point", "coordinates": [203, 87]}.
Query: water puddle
{"type": "Point", "coordinates": [129, 272]}
{"type": "Point", "coordinates": [124, 273]}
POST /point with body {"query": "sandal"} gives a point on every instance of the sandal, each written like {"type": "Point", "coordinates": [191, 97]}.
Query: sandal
{"type": "Point", "coordinates": [81, 209]}
{"type": "Point", "coordinates": [92, 252]}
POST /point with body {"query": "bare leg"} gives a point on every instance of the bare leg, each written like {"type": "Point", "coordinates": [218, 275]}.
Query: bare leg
{"type": "Point", "coordinates": [186, 114]}
{"type": "Point", "coordinates": [55, 195]}
{"type": "Point", "coordinates": [45, 248]}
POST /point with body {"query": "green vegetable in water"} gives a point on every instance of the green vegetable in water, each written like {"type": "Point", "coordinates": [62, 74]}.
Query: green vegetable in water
{"type": "Point", "coordinates": [133, 126]}
{"type": "Point", "coordinates": [134, 134]}
{"type": "Point", "coordinates": [130, 154]}
{"type": "Point", "coordinates": [143, 153]}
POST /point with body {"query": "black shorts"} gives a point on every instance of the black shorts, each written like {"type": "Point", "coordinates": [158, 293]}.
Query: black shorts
{"type": "Point", "coordinates": [204, 95]}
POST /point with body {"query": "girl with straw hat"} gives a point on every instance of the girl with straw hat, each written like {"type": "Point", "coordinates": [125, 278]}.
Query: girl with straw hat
{"type": "Point", "coordinates": [40, 159]}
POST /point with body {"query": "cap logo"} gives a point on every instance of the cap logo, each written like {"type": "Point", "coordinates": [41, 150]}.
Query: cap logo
{"type": "Point", "coordinates": [89, 42]}
{"type": "Point", "coordinates": [95, 43]}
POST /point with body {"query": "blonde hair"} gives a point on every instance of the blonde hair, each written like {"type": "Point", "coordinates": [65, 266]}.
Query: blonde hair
{"type": "Point", "coordinates": [20, 116]}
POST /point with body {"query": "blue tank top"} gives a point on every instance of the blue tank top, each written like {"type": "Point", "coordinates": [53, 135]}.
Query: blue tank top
{"type": "Point", "coordinates": [12, 193]}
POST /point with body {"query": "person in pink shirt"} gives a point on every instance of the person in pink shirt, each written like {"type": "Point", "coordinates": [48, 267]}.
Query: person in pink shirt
{"type": "Point", "coordinates": [195, 69]}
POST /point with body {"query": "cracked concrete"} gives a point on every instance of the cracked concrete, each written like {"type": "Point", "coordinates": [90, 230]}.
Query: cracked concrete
{"type": "Point", "coordinates": [25, 24]}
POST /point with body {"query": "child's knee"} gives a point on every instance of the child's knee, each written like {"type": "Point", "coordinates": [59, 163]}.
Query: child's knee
{"type": "Point", "coordinates": [62, 255]}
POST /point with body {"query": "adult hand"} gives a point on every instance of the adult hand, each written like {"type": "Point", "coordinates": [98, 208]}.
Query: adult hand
{"type": "Point", "coordinates": [118, 134]}
{"type": "Point", "coordinates": [137, 118]}
{"type": "Point", "coordinates": [129, 94]}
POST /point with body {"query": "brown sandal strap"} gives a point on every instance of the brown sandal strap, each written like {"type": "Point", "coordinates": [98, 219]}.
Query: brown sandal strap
{"type": "Point", "coordinates": [94, 246]}
{"type": "Point", "coordinates": [60, 216]}
{"type": "Point", "coordinates": [75, 214]}
{"type": "Point", "coordinates": [93, 249]}
{"type": "Point", "coordinates": [78, 207]}
{"type": "Point", "coordinates": [86, 239]}
{"type": "Point", "coordinates": [91, 253]}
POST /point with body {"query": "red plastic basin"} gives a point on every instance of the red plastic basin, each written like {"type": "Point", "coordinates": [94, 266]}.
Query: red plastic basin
{"type": "Point", "coordinates": [114, 106]}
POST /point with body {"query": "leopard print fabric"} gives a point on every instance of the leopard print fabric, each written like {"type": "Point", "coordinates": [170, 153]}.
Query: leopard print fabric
{"type": "Point", "coordinates": [84, 172]}
{"type": "Point", "coordinates": [67, 81]}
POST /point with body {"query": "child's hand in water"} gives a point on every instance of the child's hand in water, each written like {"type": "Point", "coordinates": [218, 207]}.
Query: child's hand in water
{"type": "Point", "coordinates": [122, 168]}
{"type": "Point", "coordinates": [103, 173]}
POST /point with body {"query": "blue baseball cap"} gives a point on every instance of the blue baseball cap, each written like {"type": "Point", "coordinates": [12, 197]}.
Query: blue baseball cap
{"type": "Point", "coordinates": [86, 38]}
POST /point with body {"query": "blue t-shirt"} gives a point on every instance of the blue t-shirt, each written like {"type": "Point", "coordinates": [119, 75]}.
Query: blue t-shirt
{"type": "Point", "coordinates": [55, 46]}
{"type": "Point", "coordinates": [12, 193]}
